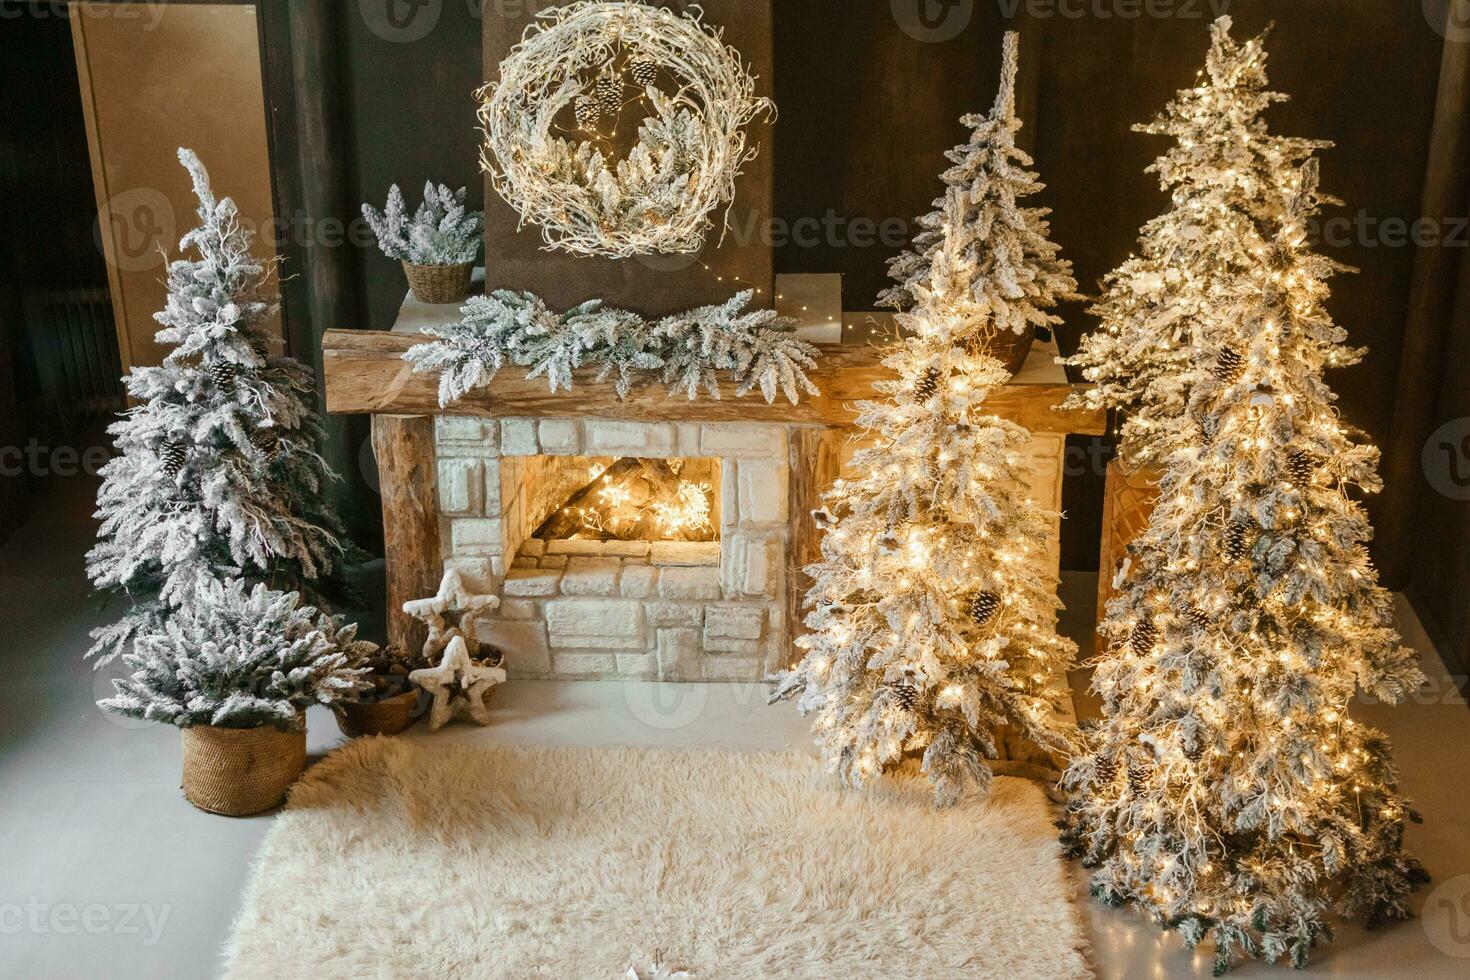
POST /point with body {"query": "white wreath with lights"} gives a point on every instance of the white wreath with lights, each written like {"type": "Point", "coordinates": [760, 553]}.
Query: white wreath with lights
{"type": "Point", "coordinates": [562, 93]}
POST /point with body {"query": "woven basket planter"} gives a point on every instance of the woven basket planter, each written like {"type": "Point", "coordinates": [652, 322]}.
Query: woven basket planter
{"type": "Point", "coordinates": [237, 772]}
{"type": "Point", "coordinates": [388, 717]}
{"type": "Point", "coordinates": [440, 284]}
{"type": "Point", "coordinates": [1010, 348]}
{"type": "Point", "coordinates": [1129, 496]}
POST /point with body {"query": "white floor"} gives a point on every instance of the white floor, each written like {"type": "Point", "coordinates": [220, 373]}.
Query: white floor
{"type": "Point", "coordinates": [108, 872]}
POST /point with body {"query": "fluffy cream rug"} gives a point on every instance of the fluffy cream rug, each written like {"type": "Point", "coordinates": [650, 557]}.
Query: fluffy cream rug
{"type": "Point", "coordinates": [398, 859]}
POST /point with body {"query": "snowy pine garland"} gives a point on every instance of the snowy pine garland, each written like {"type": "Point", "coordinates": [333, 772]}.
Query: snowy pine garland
{"type": "Point", "coordinates": [238, 659]}
{"type": "Point", "coordinates": [689, 352]}
{"type": "Point", "coordinates": [211, 480]}
{"type": "Point", "coordinates": [441, 232]}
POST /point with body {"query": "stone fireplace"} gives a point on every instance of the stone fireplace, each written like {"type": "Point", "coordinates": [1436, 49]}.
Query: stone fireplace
{"type": "Point", "coordinates": [587, 602]}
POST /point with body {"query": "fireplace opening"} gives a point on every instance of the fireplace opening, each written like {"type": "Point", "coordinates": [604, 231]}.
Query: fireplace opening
{"type": "Point", "coordinates": [636, 499]}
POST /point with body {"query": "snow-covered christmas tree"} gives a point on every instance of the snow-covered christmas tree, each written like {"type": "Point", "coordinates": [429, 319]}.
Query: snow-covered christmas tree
{"type": "Point", "coordinates": [1228, 179]}
{"type": "Point", "coordinates": [933, 622]}
{"type": "Point", "coordinates": [216, 473]}
{"type": "Point", "coordinates": [1227, 790]}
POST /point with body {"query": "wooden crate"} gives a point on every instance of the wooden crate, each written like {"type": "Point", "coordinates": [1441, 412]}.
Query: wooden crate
{"type": "Point", "coordinates": [1129, 496]}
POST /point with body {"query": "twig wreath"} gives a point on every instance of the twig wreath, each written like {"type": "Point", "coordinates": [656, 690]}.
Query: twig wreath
{"type": "Point", "coordinates": [569, 74]}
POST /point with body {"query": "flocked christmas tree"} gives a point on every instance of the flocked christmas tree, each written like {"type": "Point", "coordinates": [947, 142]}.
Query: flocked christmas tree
{"type": "Point", "coordinates": [1227, 790]}
{"type": "Point", "coordinates": [1226, 175]}
{"type": "Point", "coordinates": [216, 474]}
{"type": "Point", "coordinates": [933, 621]}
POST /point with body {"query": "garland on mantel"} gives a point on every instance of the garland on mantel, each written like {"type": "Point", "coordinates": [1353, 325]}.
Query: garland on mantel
{"type": "Point", "coordinates": [689, 351]}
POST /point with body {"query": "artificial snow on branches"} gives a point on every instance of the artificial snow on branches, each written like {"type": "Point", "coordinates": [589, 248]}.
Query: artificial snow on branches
{"type": "Point", "coordinates": [689, 351]}
{"type": "Point", "coordinates": [979, 257]}
{"type": "Point", "coordinates": [933, 616]}
{"type": "Point", "coordinates": [1227, 790]}
{"type": "Point", "coordinates": [234, 658]}
{"type": "Point", "coordinates": [216, 473]}
{"type": "Point", "coordinates": [441, 232]}
{"type": "Point", "coordinates": [1229, 180]}
{"type": "Point", "coordinates": [570, 64]}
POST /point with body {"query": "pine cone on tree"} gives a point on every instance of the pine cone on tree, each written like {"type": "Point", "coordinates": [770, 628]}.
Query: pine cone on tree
{"type": "Point", "coordinates": [905, 696]}
{"type": "Point", "coordinates": [1196, 750]}
{"type": "Point", "coordinates": [1229, 365]}
{"type": "Point", "coordinates": [1105, 770]}
{"type": "Point", "coordinates": [1138, 776]}
{"type": "Point", "coordinates": [173, 455]}
{"type": "Point", "coordinates": [223, 374]}
{"type": "Point", "coordinates": [1145, 634]}
{"type": "Point", "coordinates": [925, 387]}
{"type": "Point", "coordinates": [1301, 465]}
{"type": "Point", "coordinates": [984, 607]}
{"type": "Point", "coordinates": [1237, 540]}
{"type": "Point", "coordinates": [268, 443]}
{"type": "Point", "coordinates": [644, 70]}
{"type": "Point", "coordinates": [1197, 618]}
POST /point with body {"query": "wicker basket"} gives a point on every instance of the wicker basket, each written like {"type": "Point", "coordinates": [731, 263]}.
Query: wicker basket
{"type": "Point", "coordinates": [388, 717]}
{"type": "Point", "coordinates": [1010, 348]}
{"type": "Point", "coordinates": [1129, 496]}
{"type": "Point", "coordinates": [237, 772]}
{"type": "Point", "coordinates": [439, 283]}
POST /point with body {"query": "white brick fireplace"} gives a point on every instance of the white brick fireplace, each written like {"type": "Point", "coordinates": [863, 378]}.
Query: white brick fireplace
{"type": "Point", "coordinates": [671, 610]}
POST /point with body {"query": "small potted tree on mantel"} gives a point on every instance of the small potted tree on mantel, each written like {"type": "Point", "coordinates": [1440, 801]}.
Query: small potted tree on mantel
{"type": "Point", "coordinates": [236, 671]}
{"type": "Point", "coordinates": [437, 244]}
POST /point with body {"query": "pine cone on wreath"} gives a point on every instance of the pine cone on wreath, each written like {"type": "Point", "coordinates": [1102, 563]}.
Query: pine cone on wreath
{"type": "Point", "coordinates": [1229, 365]}
{"type": "Point", "coordinates": [173, 455]}
{"type": "Point", "coordinates": [609, 94]}
{"type": "Point", "coordinates": [223, 374]}
{"type": "Point", "coordinates": [644, 70]}
{"type": "Point", "coordinates": [984, 607]}
{"type": "Point", "coordinates": [586, 111]}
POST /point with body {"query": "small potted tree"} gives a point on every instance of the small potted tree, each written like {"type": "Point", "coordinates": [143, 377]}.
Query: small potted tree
{"type": "Point", "coordinates": [437, 245]}
{"type": "Point", "coordinates": [235, 669]}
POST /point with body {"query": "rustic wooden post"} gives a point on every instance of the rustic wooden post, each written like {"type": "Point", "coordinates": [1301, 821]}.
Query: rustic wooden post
{"type": "Point", "coordinates": [408, 481]}
{"type": "Point", "coordinates": [815, 463]}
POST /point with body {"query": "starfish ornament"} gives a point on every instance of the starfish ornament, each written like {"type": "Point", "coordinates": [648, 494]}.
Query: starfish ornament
{"type": "Point", "coordinates": [450, 613]}
{"type": "Point", "coordinates": [458, 686]}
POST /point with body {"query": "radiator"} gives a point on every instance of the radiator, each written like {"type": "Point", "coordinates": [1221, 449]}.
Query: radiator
{"type": "Point", "coordinates": [74, 355]}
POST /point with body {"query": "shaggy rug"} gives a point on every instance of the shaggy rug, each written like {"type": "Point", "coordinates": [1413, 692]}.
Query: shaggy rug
{"type": "Point", "coordinates": [398, 859]}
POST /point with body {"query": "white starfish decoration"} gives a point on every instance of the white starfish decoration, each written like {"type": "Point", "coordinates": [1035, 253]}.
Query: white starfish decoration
{"type": "Point", "coordinates": [452, 601]}
{"type": "Point", "coordinates": [458, 686]}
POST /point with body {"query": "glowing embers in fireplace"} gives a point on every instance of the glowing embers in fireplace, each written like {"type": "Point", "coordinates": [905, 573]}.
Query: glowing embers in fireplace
{"type": "Point", "coordinates": [636, 499]}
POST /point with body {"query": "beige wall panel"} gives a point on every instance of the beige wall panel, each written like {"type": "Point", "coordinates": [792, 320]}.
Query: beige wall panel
{"type": "Point", "coordinates": [154, 79]}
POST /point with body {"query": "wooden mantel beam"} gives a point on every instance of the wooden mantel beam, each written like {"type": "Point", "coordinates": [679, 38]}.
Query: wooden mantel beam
{"type": "Point", "coordinates": [366, 374]}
